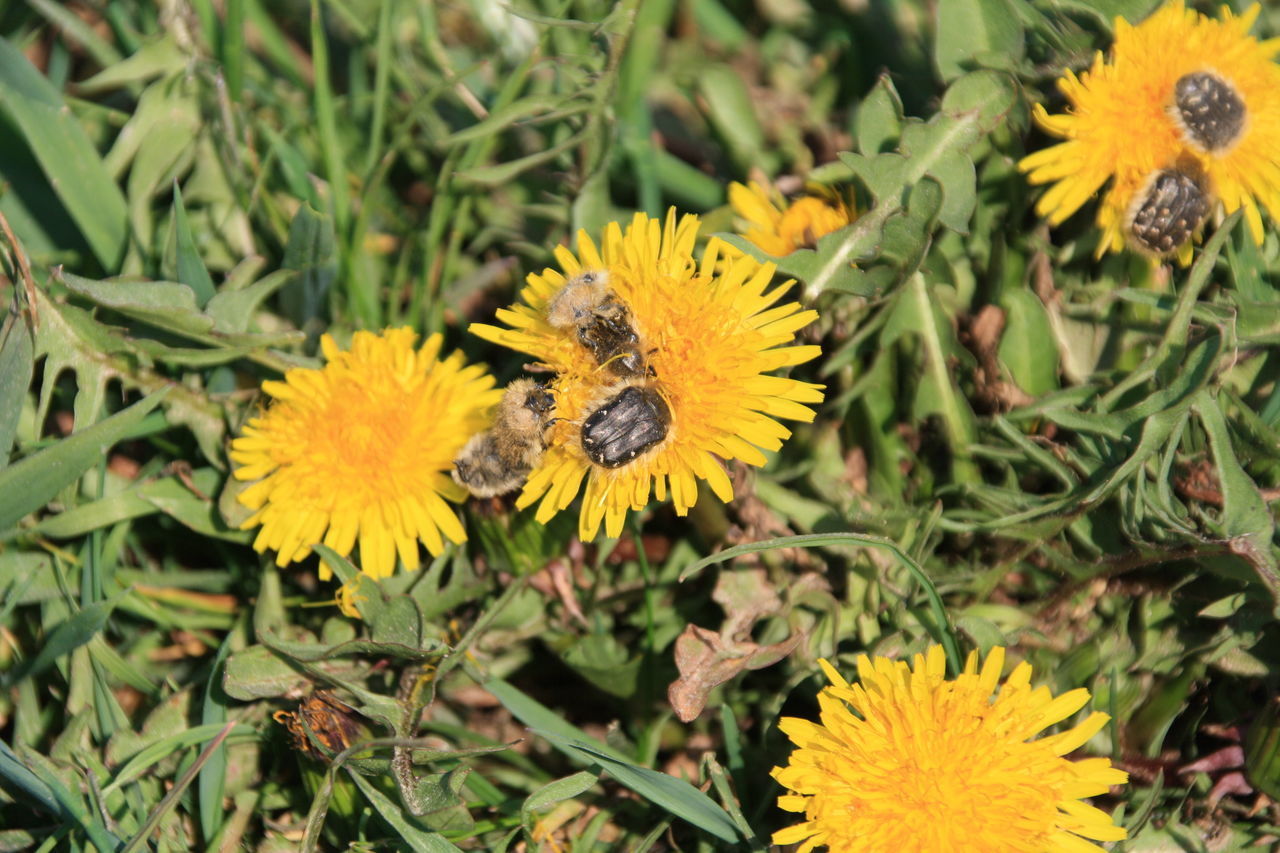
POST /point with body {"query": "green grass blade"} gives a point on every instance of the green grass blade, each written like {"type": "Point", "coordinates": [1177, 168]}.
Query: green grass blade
{"type": "Point", "coordinates": [60, 802]}
{"type": "Point", "coordinates": [66, 638]}
{"type": "Point", "coordinates": [675, 795]}
{"type": "Point", "coordinates": [191, 270]}
{"type": "Point", "coordinates": [419, 840]}
{"type": "Point", "coordinates": [12, 768]}
{"type": "Point", "coordinates": [175, 793]}
{"type": "Point", "coordinates": [233, 48]}
{"type": "Point", "coordinates": [66, 156]}
{"type": "Point", "coordinates": [213, 777]}
{"type": "Point", "coordinates": [32, 482]}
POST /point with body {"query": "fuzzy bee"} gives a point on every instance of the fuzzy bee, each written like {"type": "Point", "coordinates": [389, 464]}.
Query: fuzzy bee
{"type": "Point", "coordinates": [499, 459]}
{"type": "Point", "coordinates": [626, 424]}
{"type": "Point", "coordinates": [1167, 211]}
{"type": "Point", "coordinates": [602, 321]}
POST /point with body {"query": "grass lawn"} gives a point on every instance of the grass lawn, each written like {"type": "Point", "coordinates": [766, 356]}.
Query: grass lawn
{"type": "Point", "coordinates": [639, 425]}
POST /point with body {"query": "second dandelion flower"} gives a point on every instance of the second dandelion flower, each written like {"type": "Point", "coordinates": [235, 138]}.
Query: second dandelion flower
{"type": "Point", "coordinates": [1183, 115]}
{"type": "Point", "coordinates": [661, 366]}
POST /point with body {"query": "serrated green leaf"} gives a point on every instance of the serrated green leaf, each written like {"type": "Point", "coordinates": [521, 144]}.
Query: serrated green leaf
{"type": "Point", "coordinates": [17, 365]}
{"type": "Point", "coordinates": [189, 501]}
{"type": "Point", "coordinates": [990, 95]}
{"type": "Point", "coordinates": [259, 673]}
{"type": "Point", "coordinates": [232, 309]}
{"type": "Point", "coordinates": [398, 623]}
{"type": "Point", "coordinates": [829, 266]}
{"type": "Point", "coordinates": [163, 304]}
{"type": "Point", "coordinates": [907, 235]}
{"type": "Point", "coordinates": [606, 663]}
{"type": "Point", "coordinates": [1246, 520]}
{"type": "Point", "coordinates": [917, 312]}
{"type": "Point", "coordinates": [157, 145]}
{"type": "Point", "coordinates": [94, 515]}
{"type": "Point", "coordinates": [973, 33]}
{"type": "Point", "coordinates": [879, 120]}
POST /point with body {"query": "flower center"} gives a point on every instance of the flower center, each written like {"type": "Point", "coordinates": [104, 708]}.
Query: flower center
{"type": "Point", "coordinates": [808, 219]}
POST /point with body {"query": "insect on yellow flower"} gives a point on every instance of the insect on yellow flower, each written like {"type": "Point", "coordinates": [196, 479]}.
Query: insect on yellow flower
{"type": "Point", "coordinates": [693, 388]}
{"type": "Point", "coordinates": [361, 449]}
{"type": "Point", "coordinates": [906, 761]}
{"type": "Point", "coordinates": [1181, 93]}
{"type": "Point", "coordinates": [779, 227]}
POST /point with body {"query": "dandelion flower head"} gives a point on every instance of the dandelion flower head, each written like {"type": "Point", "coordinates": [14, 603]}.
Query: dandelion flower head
{"type": "Point", "coordinates": [778, 227]}
{"type": "Point", "coordinates": [1123, 125]}
{"type": "Point", "coordinates": [908, 762]}
{"type": "Point", "coordinates": [360, 450]}
{"type": "Point", "coordinates": [712, 332]}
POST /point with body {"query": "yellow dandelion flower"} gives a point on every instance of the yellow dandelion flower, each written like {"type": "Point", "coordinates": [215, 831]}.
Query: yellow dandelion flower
{"type": "Point", "coordinates": [781, 228]}
{"type": "Point", "coordinates": [361, 449]}
{"type": "Point", "coordinates": [710, 331]}
{"type": "Point", "coordinates": [1133, 116]}
{"type": "Point", "coordinates": [908, 762]}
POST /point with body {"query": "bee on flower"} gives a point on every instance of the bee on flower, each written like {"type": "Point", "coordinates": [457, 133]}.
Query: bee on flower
{"type": "Point", "coordinates": [663, 376]}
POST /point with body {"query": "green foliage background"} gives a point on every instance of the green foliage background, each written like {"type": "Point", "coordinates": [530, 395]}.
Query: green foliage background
{"type": "Point", "coordinates": [1020, 446]}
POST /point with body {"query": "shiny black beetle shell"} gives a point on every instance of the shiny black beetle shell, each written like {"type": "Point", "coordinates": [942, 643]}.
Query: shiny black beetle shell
{"type": "Point", "coordinates": [629, 423]}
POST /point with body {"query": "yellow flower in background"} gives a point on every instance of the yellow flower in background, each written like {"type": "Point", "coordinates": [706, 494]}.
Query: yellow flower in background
{"type": "Point", "coordinates": [711, 332]}
{"type": "Point", "coordinates": [1143, 111]}
{"type": "Point", "coordinates": [361, 449]}
{"type": "Point", "coordinates": [909, 762]}
{"type": "Point", "coordinates": [779, 228]}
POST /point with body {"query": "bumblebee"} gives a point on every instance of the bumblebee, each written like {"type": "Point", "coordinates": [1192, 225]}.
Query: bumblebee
{"type": "Point", "coordinates": [1209, 110]}
{"type": "Point", "coordinates": [499, 459]}
{"type": "Point", "coordinates": [1167, 211]}
{"type": "Point", "coordinates": [601, 320]}
{"type": "Point", "coordinates": [627, 424]}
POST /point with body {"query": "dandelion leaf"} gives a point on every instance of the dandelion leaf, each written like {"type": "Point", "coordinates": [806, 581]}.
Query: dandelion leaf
{"type": "Point", "coordinates": [606, 663]}
{"type": "Point", "coordinates": [972, 34]}
{"type": "Point", "coordinates": [878, 124]}
{"type": "Point", "coordinates": [898, 228]}
{"type": "Point", "coordinates": [1022, 351]}
{"type": "Point", "coordinates": [1245, 521]}
{"type": "Point", "coordinates": [17, 365]}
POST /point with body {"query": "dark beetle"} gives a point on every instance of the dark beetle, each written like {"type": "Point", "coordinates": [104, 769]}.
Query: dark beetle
{"type": "Point", "coordinates": [629, 423]}
{"type": "Point", "coordinates": [1211, 112]}
{"type": "Point", "coordinates": [1171, 208]}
